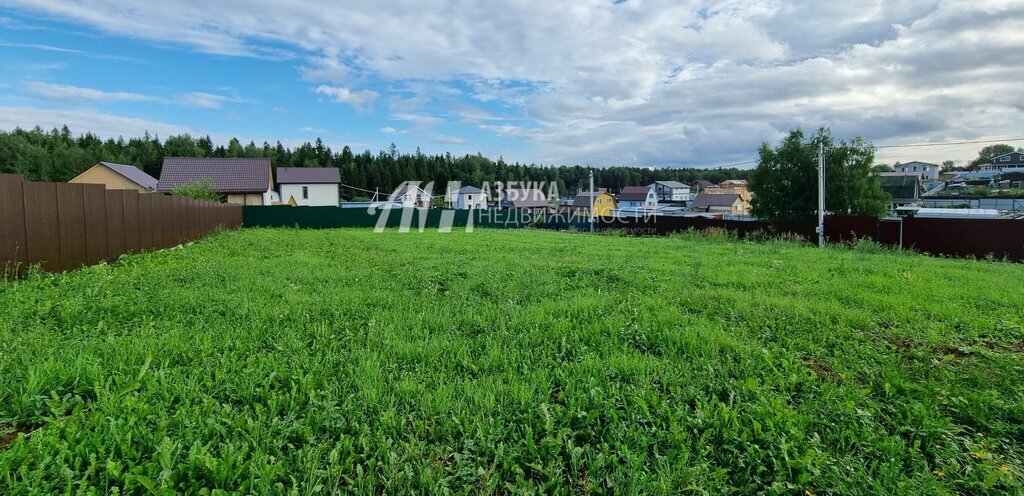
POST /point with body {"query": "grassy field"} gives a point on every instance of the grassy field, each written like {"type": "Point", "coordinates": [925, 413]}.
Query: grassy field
{"type": "Point", "coordinates": [518, 361]}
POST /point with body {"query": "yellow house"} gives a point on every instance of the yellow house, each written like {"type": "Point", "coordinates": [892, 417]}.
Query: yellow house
{"type": "Point", "coordinates": [117, 176]}
{"type": "Point", "coordinates": [604, 202]}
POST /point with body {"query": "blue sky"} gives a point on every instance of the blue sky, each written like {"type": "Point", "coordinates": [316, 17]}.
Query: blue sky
{"type": "Point", "coordinates": [673, 83]}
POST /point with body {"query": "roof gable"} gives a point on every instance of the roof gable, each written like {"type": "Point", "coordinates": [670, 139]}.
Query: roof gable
{"type": "Point", "coordinates": [228, 175]}
{"type": "Point", "coordinates": [634, 193]}
{"type": "Point", "coordinates": [706, 200]}
{"type": "Point", "coordinates": [133, 174]}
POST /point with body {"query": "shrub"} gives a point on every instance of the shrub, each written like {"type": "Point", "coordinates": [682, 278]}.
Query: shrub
{"type": "Point", "coordinates": [197, 190]}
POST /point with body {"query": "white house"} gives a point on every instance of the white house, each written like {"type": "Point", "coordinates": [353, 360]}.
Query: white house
{"type": "Point", "coordinates": [671, 191]}
{"type": "Point", "coordinates": [468, 198]}
{"type": "Point", "coordinates": [925, 170]}
{"type": "Point", "coordinates": [637, 196]}
{"type": "Point", "coordinates": [309, 186]}
{"type": "Point", "coordinates": [410, 195]}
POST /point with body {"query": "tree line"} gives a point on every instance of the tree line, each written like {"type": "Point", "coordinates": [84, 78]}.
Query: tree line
{"type": "Point", "coordinates": [58, 155]}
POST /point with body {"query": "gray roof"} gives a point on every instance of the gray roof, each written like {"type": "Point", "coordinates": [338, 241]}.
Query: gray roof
{"type": "Point", "coordinates": [583, 199]}
{"type": "Point", "coordinates": [705, 200]}
{"type": "Point", "coordinates": [672, 184]}
{"type": "Point", "coordinates": [468, 190]}
{"type": "Point", "coordinates": [308, 175]}
{"type": "Point", "coordinates": [133, 174]}
{"type": "Point", "coordinates": [703, 183]}
{"type": "Point", "coordinates": [228, 175]}
{"type": "Point", "coordinates": [404, 188]}
{"type": "Point", "coordinates": [634, 193]}
{"type": "Point", "coordinates": [524, 198]}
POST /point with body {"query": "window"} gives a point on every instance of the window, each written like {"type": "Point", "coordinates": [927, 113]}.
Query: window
{"type": "Point", "coordinates": [1004, 159]}
{"type": "Point", "coordinates": [598, 201]}
{"type": "Point", "coordinates": [305, 192]}
{"type": "Point", "coordinates": [469, 197]}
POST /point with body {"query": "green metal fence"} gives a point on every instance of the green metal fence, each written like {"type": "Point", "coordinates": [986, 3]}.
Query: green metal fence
{"type": "Point", "coordinates": [332, 217]}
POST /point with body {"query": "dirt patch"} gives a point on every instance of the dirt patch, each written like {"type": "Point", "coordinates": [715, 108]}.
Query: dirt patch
{"type": "Point", "coordinates": [823, 370]}
{"type": "Point", "coordinates": [903, 344]}
{"type": "Point", "coordinates": [956, 353]}
{"type": "Point", "coordinates": [1004, 347]}
{"type": "Point", "coordinates": [8, 433]}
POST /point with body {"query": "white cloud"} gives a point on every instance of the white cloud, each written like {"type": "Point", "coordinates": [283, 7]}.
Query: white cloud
{"type": "Point", "coordinates": [311, 129]}
{"type": "Point", "coordinates": [75, 94]}
{"type": "Point", "coordinates": [388, 130]}
{"type": "Point", "coordinates": [659, 81]}
{"type": "Point", "coordinates": [360, 100]}
{"type": "Point", "coordinates": [198, 99]}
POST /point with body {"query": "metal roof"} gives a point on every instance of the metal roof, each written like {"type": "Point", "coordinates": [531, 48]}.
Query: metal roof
{"type": "Point", "coordinates": [524, 198]}
{"type": "Point", "coordinates": [634, 193]}
{"type": "Point", "coordinates": [583, 199]}
{"type": "Point", "coordinates": [672, 184]}
{"type": "Point", "coordinates": [133, 174]}
{"type": "Point", "coordinates": [468, 190]}
{"type": "Point", "coordinates": [228, 175]}
{"type": "Point", "coordinates": [705, 200]}
{"type": "Point", "coordinates": [308, 175]}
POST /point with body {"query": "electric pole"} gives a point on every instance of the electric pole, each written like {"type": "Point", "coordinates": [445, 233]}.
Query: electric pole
{"type": "Point", "coordinates": [593, 196]}
{"type": "Point", "coordinates": [821, 194]}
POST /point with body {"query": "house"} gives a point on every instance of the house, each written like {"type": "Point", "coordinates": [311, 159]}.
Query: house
{"type": "Point", "coordinates": [671, 191]}
{"type": "Point", "coordinates": [117, 176]}
{"type": "Point", "coordinates": [928, 172]}
{"type": "Point", "coordinates": [904, 190]}
{"type": "Point", "coordinates": [243, 181]}
{"type": "Point", "coordinates": [309, 186]}
{"type": "Point", "coordinates": [523, 199]}
{"type": "Point", "coordinates": [700, 185]}
{"type": "Point", "coordinates": [604, 203]}
{"type": "Point", "coordinates": [637, 196]}
{"type": "Point", "coordinates": [735, 183]}
{"type": "Point", "coordinates": [1012, 159]}
{"type": "Point", "coordinates": [410, 195]}
{"type": "Point", "coordinates": [724, 203]}
{"type": "Point", "coordinates": [730, 187]}
{"type": "Point", "coordinates": [468, 198]}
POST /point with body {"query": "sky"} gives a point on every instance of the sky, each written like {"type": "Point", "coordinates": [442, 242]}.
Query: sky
{"type": "Point", "coordinates": [673, 83]}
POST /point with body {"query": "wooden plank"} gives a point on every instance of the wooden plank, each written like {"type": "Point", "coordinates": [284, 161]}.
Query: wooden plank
{"type": "Point", "coordinates": [95, 223]}
{"type": "Point", "coordinates": [132, 237]}
{"type": "Point", "coordinates": [146, 221]}
{"type": "Point", "coordinates": [42, 230]}
{"type": "Point", "coordinates": [13, 246]}
{"type": "Point", "coordinates": [115, 224]}
{"type": "Point", "coordinates": [71, 220]}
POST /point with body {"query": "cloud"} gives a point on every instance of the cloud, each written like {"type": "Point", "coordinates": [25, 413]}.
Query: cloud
{"type": "Point", "coordinates": [669, 82]}
{"type": "Point", "coordinates": [388, 130]}
{"type": "Point", "coordinates": [75, 94]}
{"type": "Point", "coordinates": [361, 100]}
{"type": "Point", "coordinates": [82, 119]}
{"type": "Point", "coordinates": [311, 129]}
{"type": "Point", "coordinates": [202, 100]}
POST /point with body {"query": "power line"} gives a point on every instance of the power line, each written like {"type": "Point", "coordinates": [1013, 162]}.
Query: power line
{"type": "Point", "coordinates": [974, 142]}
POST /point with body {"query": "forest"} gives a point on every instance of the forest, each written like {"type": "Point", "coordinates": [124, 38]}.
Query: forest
{"type": "Point", "coordinates": [59, 155]}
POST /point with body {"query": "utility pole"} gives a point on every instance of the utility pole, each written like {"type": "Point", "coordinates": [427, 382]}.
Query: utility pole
{"type": "Point", "coordinates": [821, 194]}
{"type": "Point", "coordinates": [593, 196]}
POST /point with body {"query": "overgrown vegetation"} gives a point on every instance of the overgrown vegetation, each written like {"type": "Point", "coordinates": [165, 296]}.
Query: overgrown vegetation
{"type": "Point", "coordinates": [519, 361]}
{"type": "Point", "coordinates": [202, 189]}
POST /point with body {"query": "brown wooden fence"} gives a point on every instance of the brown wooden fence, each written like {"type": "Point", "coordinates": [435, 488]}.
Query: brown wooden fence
{"type": "Point", "coordinates": [62, 226]}
{"type": "Point", "coordinates": [977, 238]}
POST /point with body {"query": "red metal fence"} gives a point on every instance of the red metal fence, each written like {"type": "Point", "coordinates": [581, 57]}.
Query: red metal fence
{"type": "Point", "coordinates": [63, 226]}
{"type": "Point", "coordinates": [953, 237]}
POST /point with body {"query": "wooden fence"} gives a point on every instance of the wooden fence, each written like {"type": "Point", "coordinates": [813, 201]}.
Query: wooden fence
{"type": "Point", "coordinates": [63, 226]}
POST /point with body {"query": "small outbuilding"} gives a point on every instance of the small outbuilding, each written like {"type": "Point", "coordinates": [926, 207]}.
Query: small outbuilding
{"type": "Point", "coordinates": [309, 186]}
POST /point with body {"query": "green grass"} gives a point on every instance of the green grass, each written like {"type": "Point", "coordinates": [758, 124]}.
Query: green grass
{"type": "Point", "coordinates": [519, 361]}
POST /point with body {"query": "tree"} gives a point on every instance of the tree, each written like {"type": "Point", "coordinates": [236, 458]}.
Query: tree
{"type": "Point", "coordinates": [948, 166]}
{"type": "Point", "coordinates": [881, 168]}
{"type": "Point", "coordinates": [198, 190]}
{"type": "Point", "coordinates": [785, 182]}
{"type": "Point", "coordinates": [985, 155]}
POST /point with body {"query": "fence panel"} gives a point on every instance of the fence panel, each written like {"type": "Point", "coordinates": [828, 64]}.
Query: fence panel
{"type": "Point", "coordinates": [95, 206]}
{"type": "Point", "coordinates": [13, 256]}
{"type": "Point", "coordinates": [71, 221]}
{"type": "Point", "coordinates": [146, 221]}
{"type": "Point", "coordinates": [42, 228]}
{"type": "Point", "coordinates": [115, 224]}
{"type": "Point", "coordinates": [132, 236]}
